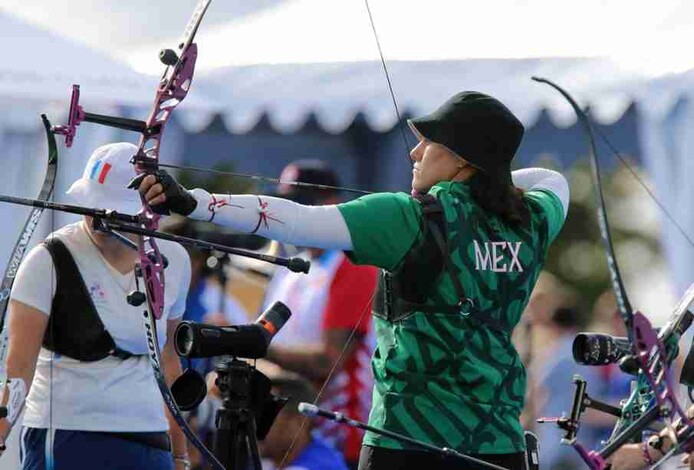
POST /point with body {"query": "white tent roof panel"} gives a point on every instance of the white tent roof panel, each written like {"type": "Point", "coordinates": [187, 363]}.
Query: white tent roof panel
{"type": "Point", "coordinates": [336, 92]}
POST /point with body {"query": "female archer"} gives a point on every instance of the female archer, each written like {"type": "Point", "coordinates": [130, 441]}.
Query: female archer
{"type": "Point", "coordinates": [77, 360]}
{"type": "Point", "coordinates": [460, 258]}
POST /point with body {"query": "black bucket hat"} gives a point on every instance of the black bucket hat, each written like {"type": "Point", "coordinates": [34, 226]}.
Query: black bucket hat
{"type": "Point", "coordinates": [477, 128]}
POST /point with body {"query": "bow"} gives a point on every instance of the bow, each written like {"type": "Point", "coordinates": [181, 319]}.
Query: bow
{"type": "Point", "coordinates": [654, 398]}
{"type": "Point", "coordinates": [25, 235]}
{"type": "Point", "coordinates": [172, 90]}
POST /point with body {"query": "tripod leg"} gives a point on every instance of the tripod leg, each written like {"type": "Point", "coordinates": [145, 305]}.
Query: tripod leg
{"type": "Point", "coordinates": [227, 445]}
{"type": "Point", "coordinates": [252, 441]}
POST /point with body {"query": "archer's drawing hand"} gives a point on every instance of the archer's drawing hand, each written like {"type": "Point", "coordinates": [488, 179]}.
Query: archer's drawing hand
{"type": "Point", "coordinates": [163, 193]}
{"type": "Point", "coordinates": [628, 457]}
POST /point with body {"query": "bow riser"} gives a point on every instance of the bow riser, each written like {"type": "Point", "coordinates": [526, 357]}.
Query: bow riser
{"type": "Point", "coordinates": [173, 88]}
{"type": "Point", "coordinates": [152, 265]}
{"type": "Point", "coordinates": [652, 355]}
{"type": "Point", "coordinates": [171, 91]}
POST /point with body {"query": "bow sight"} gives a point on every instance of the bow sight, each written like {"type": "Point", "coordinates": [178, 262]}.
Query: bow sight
{"type": "Point", "coordinates": [597, 349]}
{"type": "Point", "coordinates": [652, 399]}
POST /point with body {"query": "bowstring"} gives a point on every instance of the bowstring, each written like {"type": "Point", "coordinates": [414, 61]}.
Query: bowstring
{"type": "Point", "coordinates": [298, 184]}
{"type": "Point", "coordinates": [401, 123]}
{"type": "Point", "coordinates": [643, 184]}
{"type": "Point", "coordinates": [333, 369]}
{"type": "Point", "coordinates": [400, 126]}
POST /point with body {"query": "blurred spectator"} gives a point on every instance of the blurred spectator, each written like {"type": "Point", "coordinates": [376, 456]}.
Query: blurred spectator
{"type": "Point", "coordinates": [535, 335]}
{"type": "Point", "coordinates": [208, 299]}
{"type": "Point", "coordinates": [331, 319]}
{"type": "Point", "coordinates": [290, 442]}
{"type": "Point", "coordinates": [551, 387]}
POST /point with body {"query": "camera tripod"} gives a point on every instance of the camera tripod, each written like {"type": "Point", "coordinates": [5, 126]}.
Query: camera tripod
{"type": "Point", "coordinates": [247, 413]}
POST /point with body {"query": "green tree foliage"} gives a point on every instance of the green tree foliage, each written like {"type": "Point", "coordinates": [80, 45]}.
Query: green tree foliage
{"type": "Point", "coordinates": [577, 257]}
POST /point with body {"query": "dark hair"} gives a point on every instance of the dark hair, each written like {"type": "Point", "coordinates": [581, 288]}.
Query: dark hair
{"type": "Point", "coordinates": [500, 198]}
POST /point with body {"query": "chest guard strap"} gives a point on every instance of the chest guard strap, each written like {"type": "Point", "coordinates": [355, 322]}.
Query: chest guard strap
{"type": "Point", "coordinates": [410, 287]}
{"type": "Point", "coordinates": [74, 327]}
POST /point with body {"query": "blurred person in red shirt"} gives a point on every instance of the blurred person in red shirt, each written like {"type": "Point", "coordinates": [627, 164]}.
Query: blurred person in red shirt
{"type": "Point", "coordinates": [331, 319]}
{"type": "Point", "coordinates": [290, 443]}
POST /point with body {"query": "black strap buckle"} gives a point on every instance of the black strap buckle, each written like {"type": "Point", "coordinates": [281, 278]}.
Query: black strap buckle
{"type": "Point", "coordinates": [121, 354]}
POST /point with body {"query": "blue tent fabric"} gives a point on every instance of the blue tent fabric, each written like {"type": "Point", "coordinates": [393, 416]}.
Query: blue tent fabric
{"type": "Point", "coordinates": [379, 161]}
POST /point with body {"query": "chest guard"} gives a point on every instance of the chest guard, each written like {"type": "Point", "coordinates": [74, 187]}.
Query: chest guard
{"type": "Point", "coordinates": [412, 286]}
{"type": "Point", "coordinates": [74, 327]}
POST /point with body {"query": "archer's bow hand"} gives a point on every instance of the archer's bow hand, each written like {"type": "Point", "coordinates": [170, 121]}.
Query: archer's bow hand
{"type": "Point", "coordinates": [163, 193]}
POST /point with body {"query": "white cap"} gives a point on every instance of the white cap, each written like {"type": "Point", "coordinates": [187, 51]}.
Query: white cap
{"type": "Point", "coordinates": [105, 179]}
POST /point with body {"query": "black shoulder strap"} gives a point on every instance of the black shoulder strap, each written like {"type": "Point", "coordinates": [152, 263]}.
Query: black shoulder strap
{"type": "Point", "coordinates": [74, 327]}
{"type": "Point", "coordinates": [436, 223]}
{"type": "Point", "coordinates": [435, 219]}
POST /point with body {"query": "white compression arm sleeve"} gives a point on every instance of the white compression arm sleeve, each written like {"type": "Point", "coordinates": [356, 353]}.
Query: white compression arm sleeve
{"type": "Point", "coordinates": [275, 218]}
{"type": "Point", "coordinates": [541, 178]}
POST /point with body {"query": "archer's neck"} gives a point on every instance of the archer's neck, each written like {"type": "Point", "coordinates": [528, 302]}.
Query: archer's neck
{"type": "Point", "coordinates": [118, 255]}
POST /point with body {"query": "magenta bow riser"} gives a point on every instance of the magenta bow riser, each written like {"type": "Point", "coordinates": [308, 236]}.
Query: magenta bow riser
{"type": "Point", "coordinates": [172, 90]}
{"type": "Point", "coordinates": [652, 357]}
{"type": "Point", "coordinates": [592, 458]}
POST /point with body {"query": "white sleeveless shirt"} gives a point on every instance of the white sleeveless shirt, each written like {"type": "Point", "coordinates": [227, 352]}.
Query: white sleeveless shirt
{"type": "Point", "coordinates": [110, 394]}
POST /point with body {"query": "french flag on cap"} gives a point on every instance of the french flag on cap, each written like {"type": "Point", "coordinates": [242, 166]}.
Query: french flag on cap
{"type": "Point", "coordinates": [100, 171]}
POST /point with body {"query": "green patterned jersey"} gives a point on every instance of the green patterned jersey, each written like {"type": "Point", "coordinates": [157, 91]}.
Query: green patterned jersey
{"type": "Point", "coordinates": [442, 378]}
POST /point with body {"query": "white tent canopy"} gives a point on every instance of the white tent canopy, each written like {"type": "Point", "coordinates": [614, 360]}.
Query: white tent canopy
{"type": "Point", "coordinates": [336, 92]}
{"type": "Point", "coordinates": [36, 76]}
{"type": "Point", "coordinates": [39, 68]}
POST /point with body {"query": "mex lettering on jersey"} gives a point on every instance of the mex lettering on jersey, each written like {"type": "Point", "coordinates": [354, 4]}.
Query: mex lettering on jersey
{"type": "Point", "coordinates": [498, 257]}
